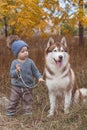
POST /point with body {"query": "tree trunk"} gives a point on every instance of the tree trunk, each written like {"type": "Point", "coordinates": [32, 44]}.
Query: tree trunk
{"type": "Point", "coordinates": [13, 30]}
{"type": "Point", "coordinates": [81, 34]}
{"type": "Point", "coordinates": [81, 28]}
{"type": "Point", "coordinates": [5, 26]}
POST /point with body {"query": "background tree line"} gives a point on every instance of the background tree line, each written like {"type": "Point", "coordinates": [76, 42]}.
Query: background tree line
{"type": "Point", "coordinates": [27, 17]}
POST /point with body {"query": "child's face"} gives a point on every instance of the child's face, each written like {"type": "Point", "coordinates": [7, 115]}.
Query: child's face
{"type": "Point", "coordinates": [23, 54]}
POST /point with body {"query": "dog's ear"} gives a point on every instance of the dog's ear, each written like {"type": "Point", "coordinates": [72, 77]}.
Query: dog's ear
{"type": "Point", "coordinates": [63, 41]}
{"type": "Point", "coordinates": [50, 42]}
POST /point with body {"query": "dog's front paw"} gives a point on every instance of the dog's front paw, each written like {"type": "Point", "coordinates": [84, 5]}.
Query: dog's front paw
{"type": "Point", "coordinates": [50, 115]}
{"type": "Point", "coordinates": [66, 111]}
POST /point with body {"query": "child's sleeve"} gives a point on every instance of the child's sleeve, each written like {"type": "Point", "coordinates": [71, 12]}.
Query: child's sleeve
{"type": "Point", "coordinates": [35, 71]}
{"type": "Point", "coordinates": [13, 72]}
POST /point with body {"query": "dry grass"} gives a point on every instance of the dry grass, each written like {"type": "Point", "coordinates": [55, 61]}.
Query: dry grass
{"type": "Point", "coordinates": [75, 120]}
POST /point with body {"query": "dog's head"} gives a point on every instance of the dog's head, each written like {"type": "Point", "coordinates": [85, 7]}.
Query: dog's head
{"type": "Point", "coordinates": [57, 52]}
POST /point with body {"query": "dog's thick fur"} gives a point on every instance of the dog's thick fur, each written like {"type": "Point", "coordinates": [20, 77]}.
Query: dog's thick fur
{"type": "Point", "coordinates": [60, 78]}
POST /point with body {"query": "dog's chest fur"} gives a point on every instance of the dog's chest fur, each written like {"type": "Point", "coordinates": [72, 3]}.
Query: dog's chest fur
{"type": "Point", "coordinates": [58, 81]}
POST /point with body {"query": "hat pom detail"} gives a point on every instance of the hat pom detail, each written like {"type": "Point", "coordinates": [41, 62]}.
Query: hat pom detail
{"type": "Point", "coordinates": [15, 44]}
{"type": "Point", "coordinates": [11, 39]}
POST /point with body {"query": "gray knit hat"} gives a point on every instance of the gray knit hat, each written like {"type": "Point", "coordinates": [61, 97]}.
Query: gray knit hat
{"type": "Point", "coordinates": [17, 46]}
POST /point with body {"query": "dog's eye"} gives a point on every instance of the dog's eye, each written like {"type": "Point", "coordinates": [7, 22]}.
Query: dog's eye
{"type": "Point", "coordinates": [55, 50]}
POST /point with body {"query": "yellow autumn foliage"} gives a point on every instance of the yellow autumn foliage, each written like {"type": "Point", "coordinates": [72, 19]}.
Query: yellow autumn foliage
{"type": "Point", "coordinates": [26, 15]}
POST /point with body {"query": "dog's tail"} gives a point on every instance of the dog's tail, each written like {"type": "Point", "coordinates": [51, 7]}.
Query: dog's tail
{"type": "Point", "coordinates": [80, 95]}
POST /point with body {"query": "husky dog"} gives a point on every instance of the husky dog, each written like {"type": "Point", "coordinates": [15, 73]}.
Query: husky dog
{"type": "Point", "coordinates": [60, 78]}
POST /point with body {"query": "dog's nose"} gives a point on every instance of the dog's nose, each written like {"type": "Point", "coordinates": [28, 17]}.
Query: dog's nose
{"type": "Point", "coordinates": [60, 57]}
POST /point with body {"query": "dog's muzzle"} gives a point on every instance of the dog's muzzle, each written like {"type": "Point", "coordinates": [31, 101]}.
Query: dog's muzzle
{"type": "Point", "coordinates": [59, 61]}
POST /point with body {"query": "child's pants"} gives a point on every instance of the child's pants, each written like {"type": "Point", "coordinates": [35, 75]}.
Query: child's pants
{"type": "Point", "coordinates": [26, 96]}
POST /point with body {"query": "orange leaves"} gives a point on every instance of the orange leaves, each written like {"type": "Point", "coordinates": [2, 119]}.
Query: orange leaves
{"type": "Point", "coordinates": [84, 20]}
{"type": "Point", "coordinates": [27, 15]}
{"type": "Point", "coordinates": [13, 23]}
{"type": "Point", "coordinates": [24, 14]}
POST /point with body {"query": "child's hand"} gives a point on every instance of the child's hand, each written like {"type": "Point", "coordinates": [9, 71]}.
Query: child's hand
{"type": "Point", "coordinates": [41, 80]}
{"type": "Point", "coordinates": [18, 67]}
